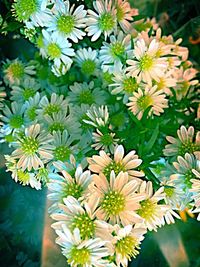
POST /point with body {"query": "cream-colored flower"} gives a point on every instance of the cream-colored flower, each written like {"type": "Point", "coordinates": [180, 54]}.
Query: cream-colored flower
{"type": "Point", "coordinates": [105, 164]}
{"type": "Point", "coordinates": [149, 97]}
{"type": "Point", "coordinates": [118, 198]}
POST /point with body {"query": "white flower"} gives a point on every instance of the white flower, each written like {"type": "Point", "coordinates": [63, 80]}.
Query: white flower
{"type": "Point", "coordinates": [147, 63]}
{"type": "Point", "coordinates": [58, 49]}
{"type": "Point", "coordinates": [103, 163]}
{"type": "Point", "coordinates": [118, 198]}
{"type": "Point", "coordinates": [31, 107]}
{"type": "Point", "coordinates": [186, 142]}
{"type": "Point", "coordinates": [88, 61]}
{"type": "Point", "coordinates": [21, 176]}
{"type": "Point", "coordinates": [149, 97]}
{"type": "Point", "coordinates": [61, 121]}
{"type": "Point", "coordinates": [13, 117]}
{"type": "Point", "coordinates": [15, 70]}
{"type": "Point", "coordinates": [113, 54]}
{"type": "Point", "coordinates": [26, 89]}
{"type": "Point", "coordinates": [65, 185]}
{"type": "Point", "coordinates": [56, 104]}
{"type": "Point", "coordinates": [62, 142]}
{"type": "Point", "coordinates": [66, 21]}
{"type": "Point", "coordinates": [196, 190]}
{"type": "Point", "coordinates": [81, 216]}
{"type": "Point", "coordinates": [88, 253]}
{"type": "Point", "coordinates": [105, 141]}
{"type": "Point", "coordinates": [32, 12]}
{"type": "Point", "coordinates": [104, 21]}
{"type": "Point", "coordinates": [125, 14]}
{"type": "Point", "coordinates": [126, 243]}
{"type": "Point", "coordinates": [84, 93]}
{"type": "Point", "coordinates": [33, 148]}
{"type": "Point", "coordinates": [188, 168]}
{"type": "Point", "coordinates": [151, 211]}
{"type": "Point", "coordinates": [97, 116]}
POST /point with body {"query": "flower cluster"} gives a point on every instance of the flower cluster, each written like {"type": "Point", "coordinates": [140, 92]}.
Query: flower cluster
{"type": "Point", "coordinates": [101, 83]}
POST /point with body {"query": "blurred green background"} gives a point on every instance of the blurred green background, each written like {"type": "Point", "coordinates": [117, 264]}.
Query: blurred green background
{"type": "Point", "coordinates": [22, 209]}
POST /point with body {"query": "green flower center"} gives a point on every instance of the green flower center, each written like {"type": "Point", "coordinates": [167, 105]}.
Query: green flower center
{"type": "Point", "coordinates": [16, 70]}
{"type": "Point", "coordinates": [108, 77]}
{"type": "Point", "coordinates": [120, 13]}
{"type": "Point", "coordinates": [113, 203]}
{"type": "Point", "coordinates": [146, 63]}
{"type": "Point", "coordinates": [188, 176]}
{"type": "Point", "coordinates": [16, 121]}
{"type": "Point", "coordinates": [30, 145]}
{"type": "Point", "coordinates": [88, 66]}
{"type": "Point", "coordinates": [25, 8]}
{"type": "Point", "coordinates": [86, 97]}
{"type": "Point", "coordinates": [130, 85]}
{"type": "Point", "coordinates": [117, 49]}
{"type": "Point", "coordinates": [106, 22]}
{"type": "Point", "coordinates": [85, 224]}
{"type": "Point", "coordinates": [106, 139]}
{"type": "Point", "coordinates": [9, 138]}
{"type": "Point", "coordinates": [52, 108]}
{"type": "Point", "coordinates": [117, 167]}
{"type": "Point", "coordinates": [31, 113]}
{"type": "Point", "coordinates": [79, 257]}
{"type": "Point", "coordinates": [127, 247]}
{"type": "Point", "coordinates": [56, 126]}
{"type": "Point", "coordinates": [27, 93]}
{"type": "Point", "coordinates": [23, 177]}
{"type": "Point", "coordinates": [72, 189]}
{"type": "Point", "coordinates": [147, 210]}
{"type": "Point", "coordinates": [188, 147]}
{"type": "Point", "coordinates": [53, 50]}
{"type": "Point", "coordinates": [144, 102]}
{"type": "Point", "coordinates": [62, 153]}
{"type": "Point", "coordinates": [65, 24]}
{"type": "Point", "coordinates": [169, 191]}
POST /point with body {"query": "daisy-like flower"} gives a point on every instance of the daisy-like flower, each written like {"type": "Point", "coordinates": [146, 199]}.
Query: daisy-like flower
{"type": "Point", "coordinates": [150, 210]}
{"type": "Point", "coordinates": [104, 21]}
{"type": "Point", "coordinates": [84, 93]}
{"type": "Point", "coordinates": [149, 97]}
{"type": "Point", "coordinates": [196, 189]}
{"type": "Point", "coordinates": [147, 63]}
{"type": "Point", "coordinates": [32, 12]}
{"type": "Point", "coordinates": [81, 216]}
{"type": "Point", "coordinates": [118, 198]}
{"type": "Point", "coordinates": [104, 141]}
{"type": "Point", "coordinates": [88, 253]}
{"type": "Point", "coordinates": [58, 49]}
{"type": "Point", "coordinates": [122, 83]}
{"type": "Point", "coordinates": [88, 61]}
{"type": "Point", "coordinates": [62, 142]}
{"type": "Point", "coordinates": [188, 168]}
{"type": "Point", "coordinates": [125, 14]}
{"type": "Point", "coordinates": [2, 95]}
{"type": "Point", "coordinates": [61, 121]}
{"type": "Point", "coordinates": [64, 185]}
{"type": "Point", "coordinates": [21, 176]}
{"type": "Point", "coordinates": [166, 82]}
{"type": "Point", "coordinates": [13, 117]}
{"type": "Point", "coordinates": [56, 104]}
{"type": "Point", "coordinates": [32, 105]}
{"type": "Point", "coordinates": [67, 21]}
{"type": "Point", "coordinates": [15, 70]}
{"type": "Point", "coordinates": [126, 243]}
{"type": "Point", "coordinates": [186, 142]}
{"type": "Point", "coordinates": [26, 89]}
{"type": "Point", "coordinates": [103, 163]}
{"type": "Point", "coordinates": [113, 53]}
{"type": "Point", "coordinates": [33, 148]}
{"type": "Point", "coordinates": [97, 116]}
